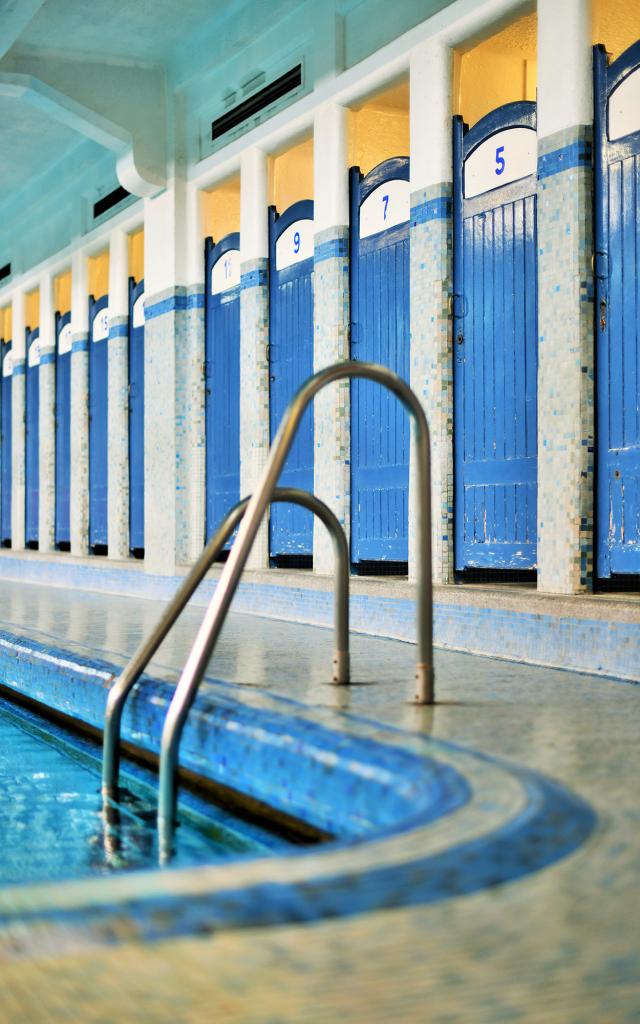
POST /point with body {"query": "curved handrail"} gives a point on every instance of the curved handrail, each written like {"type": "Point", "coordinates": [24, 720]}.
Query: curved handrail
{"type": "Point", "coordinates": [213, 621]}
{"type": "Point", "coordinates": [121, 688]}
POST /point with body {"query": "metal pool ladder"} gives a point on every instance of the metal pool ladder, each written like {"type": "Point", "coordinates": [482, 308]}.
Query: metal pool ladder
{"type": "Point", "coordinates": [125, 682]}
{"type": "Point", "coordinates": [216, 612]}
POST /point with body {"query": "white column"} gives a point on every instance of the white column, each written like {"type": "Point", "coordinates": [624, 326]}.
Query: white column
{"type": "Point", "coordinates": [46, 418]}
{"type": "Point", "coordinates": [431, 67]}
{"type": "Point", "coordinates": [565, 313]}
{"type": "Point", "coordinates": [331, 322]}
{"type": "Point", "coordinates": [254, 334]}
{"type": "Point", "coordinates": [18, 383]}
{"type": "Point", "coordinates": [79, 483]}
{"type": "Point", "coordinates": [118, 400]}
{"type": "Point", "coordinates": [565, 75]}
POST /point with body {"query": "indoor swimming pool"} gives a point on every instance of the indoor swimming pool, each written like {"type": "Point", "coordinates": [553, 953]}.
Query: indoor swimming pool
{"type": "Point", "coordinates": [53, 825]}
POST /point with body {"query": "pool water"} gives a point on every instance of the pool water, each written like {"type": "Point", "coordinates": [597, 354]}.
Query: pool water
{"type": "Point", "coordinates": [52, 825]}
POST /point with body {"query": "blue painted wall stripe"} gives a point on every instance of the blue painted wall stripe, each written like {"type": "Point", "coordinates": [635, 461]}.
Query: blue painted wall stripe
{"type": "Point", "coordinates": [47, 358]}
{"type": "Point", "coordinates": [119, 331]}
{"type": "Point", "coordinates": [19, 368]}
{"type": "Point", "coordinates": [81, 345]}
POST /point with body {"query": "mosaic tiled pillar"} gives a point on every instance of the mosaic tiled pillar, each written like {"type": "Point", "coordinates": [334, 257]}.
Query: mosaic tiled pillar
{"type": "Point", "coordinates": [332, 405]}
{"type": "Point", "coordinates": [164, 336]}
{"type": "Point", "coordinates": [79, 482]}
{"type": "Point", "coordinates": [431, 228]}
{"type": "Point", "coordinates": [79, 479]}
{"type": "Point", "coordinates": [190, 430]}
{"type": "Point", "coordinates": [118, 437]}
{"type": "Point", "coordinates": [118, 398]}
{"type": "Point", "coordinates": [18, 433]}
{"type": "Point", "coordinates": [565, 362]}
{"type": "Point", "coordinates": [18, 438]}
{"type": "Point", "coordinates": [565, 297]}
{"type": "Point", "coordinates": [47, 420]}
{"type": "Point", "coordinates": [431, 360]}
{"type": "Point", "coordinates": [254, 389]}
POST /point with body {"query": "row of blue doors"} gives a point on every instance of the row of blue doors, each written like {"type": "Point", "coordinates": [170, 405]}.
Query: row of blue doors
{"type": "Point", "coordinates": [494, 343]}
{"type": "Point", "coordinates": [98, 427]}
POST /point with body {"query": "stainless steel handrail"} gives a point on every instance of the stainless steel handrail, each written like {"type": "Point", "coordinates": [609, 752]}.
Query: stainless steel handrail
{"type": "Point", "coordinates": [122, 687]}
{"type": "Point", "coordinates": [212, 623]}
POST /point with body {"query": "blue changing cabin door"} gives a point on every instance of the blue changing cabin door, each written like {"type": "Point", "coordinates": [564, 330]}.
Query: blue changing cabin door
{"type": "Point", "coordinates": [136, 416]}
{"type": "Point", "coordinates": [290, 363]}
{"type": "Point", "coordinates": [379, 334]}
{"type": "Point", "coordinates": [495, 340]}
{"type": "Point", "coordinates": [63, 429]}
{"type": "Point", "coordinates": [222, 378]}
{"type": "Point", "coordinates": [32, 412]}
{"type": "Point", "coordinates": [617, 265]}
{"type": "Point", "coordinates": [98, 420]}
{"type": "Point", "coordinates": [7, 377]}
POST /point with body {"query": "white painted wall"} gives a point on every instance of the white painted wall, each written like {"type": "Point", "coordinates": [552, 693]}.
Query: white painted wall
{"type": "Point", "coordinates": [330, 167]}
{"type": "Point", "coordinates": [565, 85]}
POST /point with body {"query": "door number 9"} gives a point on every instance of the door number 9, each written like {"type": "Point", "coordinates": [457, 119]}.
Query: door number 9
{"type": "Point", "coordinates": [500, 161]}
{"type": "Point", "coordinates": [296, 242]}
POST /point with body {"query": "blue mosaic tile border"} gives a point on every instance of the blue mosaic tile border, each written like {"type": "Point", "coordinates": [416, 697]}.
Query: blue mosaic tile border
{"type": "Point", "coordinates": [360, 788]}
{"type": "Point", "coordinates": [346, 786]}
{"type": "Point", "coordinates": [577, 154]}
{"type": "Point", "coordinates": [440, 208]}
{"type": "Point", "coordinates": [335, 247]}
{"type": "Point", "coordinates": [552, 826]}
{"type": "Point", "coordinates": [170, 304]}
{"type": "Point", "coordinates": [254, 279]}
{"type": "Point", "coordinates": [80, 345]}
{"type": "Point", "coordinates": [592, 646]}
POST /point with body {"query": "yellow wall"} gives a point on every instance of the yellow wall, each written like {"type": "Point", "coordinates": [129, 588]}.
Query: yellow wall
{"type": "Point", "coordinates": [502, 69]}
{"type": "Point", "coordinates": [62, 292]}
{"type": "Point", "coordinates": [99, 274]}
{"type": "Point", "coordinates": [135, 244]}
{"type": "Point", "coordinates": [379, 129]}
{"type": "Point", "coordinates": [616, 24]}
{"type": "Point", "coordinates": [32, 309]}
{"type": "Point", "coordinates": [291, 176]}
{"type": "Point", "coordinates": [6, 325]}
{"type": "Point", "coordinates": [221, 209]}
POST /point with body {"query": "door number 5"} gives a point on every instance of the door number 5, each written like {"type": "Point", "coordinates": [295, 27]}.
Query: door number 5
{"type": "Point", "coordinates": [500, 161]}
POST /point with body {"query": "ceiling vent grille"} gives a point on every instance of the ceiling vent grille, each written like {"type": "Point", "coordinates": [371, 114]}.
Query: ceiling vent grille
{"type": "Point", "coordinates": [259, 101]}
{"type": "Point", "coordinates": [109, 201]}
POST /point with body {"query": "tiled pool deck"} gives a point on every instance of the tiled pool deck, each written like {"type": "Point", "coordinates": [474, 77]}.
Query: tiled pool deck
{"type": "Point", "coordinates": [560, 944]}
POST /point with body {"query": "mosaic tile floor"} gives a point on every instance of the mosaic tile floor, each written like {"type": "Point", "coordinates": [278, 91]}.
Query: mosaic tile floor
{"type": "Point", "coordinates": [561, 945]}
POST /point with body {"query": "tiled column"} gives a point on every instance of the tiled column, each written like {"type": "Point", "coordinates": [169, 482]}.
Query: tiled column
{"type": "Point", "coordinates": [254, 335]}
{"type": "Point", "coordinates": [18, 382]}
{"type": "Point", "coordinates": [164, 335]}
{"type": "Point", "coordinates": [118, 400]}
{"type": "Point", "coordinates": [431, 282]}
{"type": "Point", "coordinates": [190, 425]}
{"type": "Point", "coordinates": [47, 419]}
{"type": "Point", "coordinates": [79, 483]}
{"type": "Point", "coordinates": [331, 323]}
{"type": "Point", "coordinates": [565, 298]}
